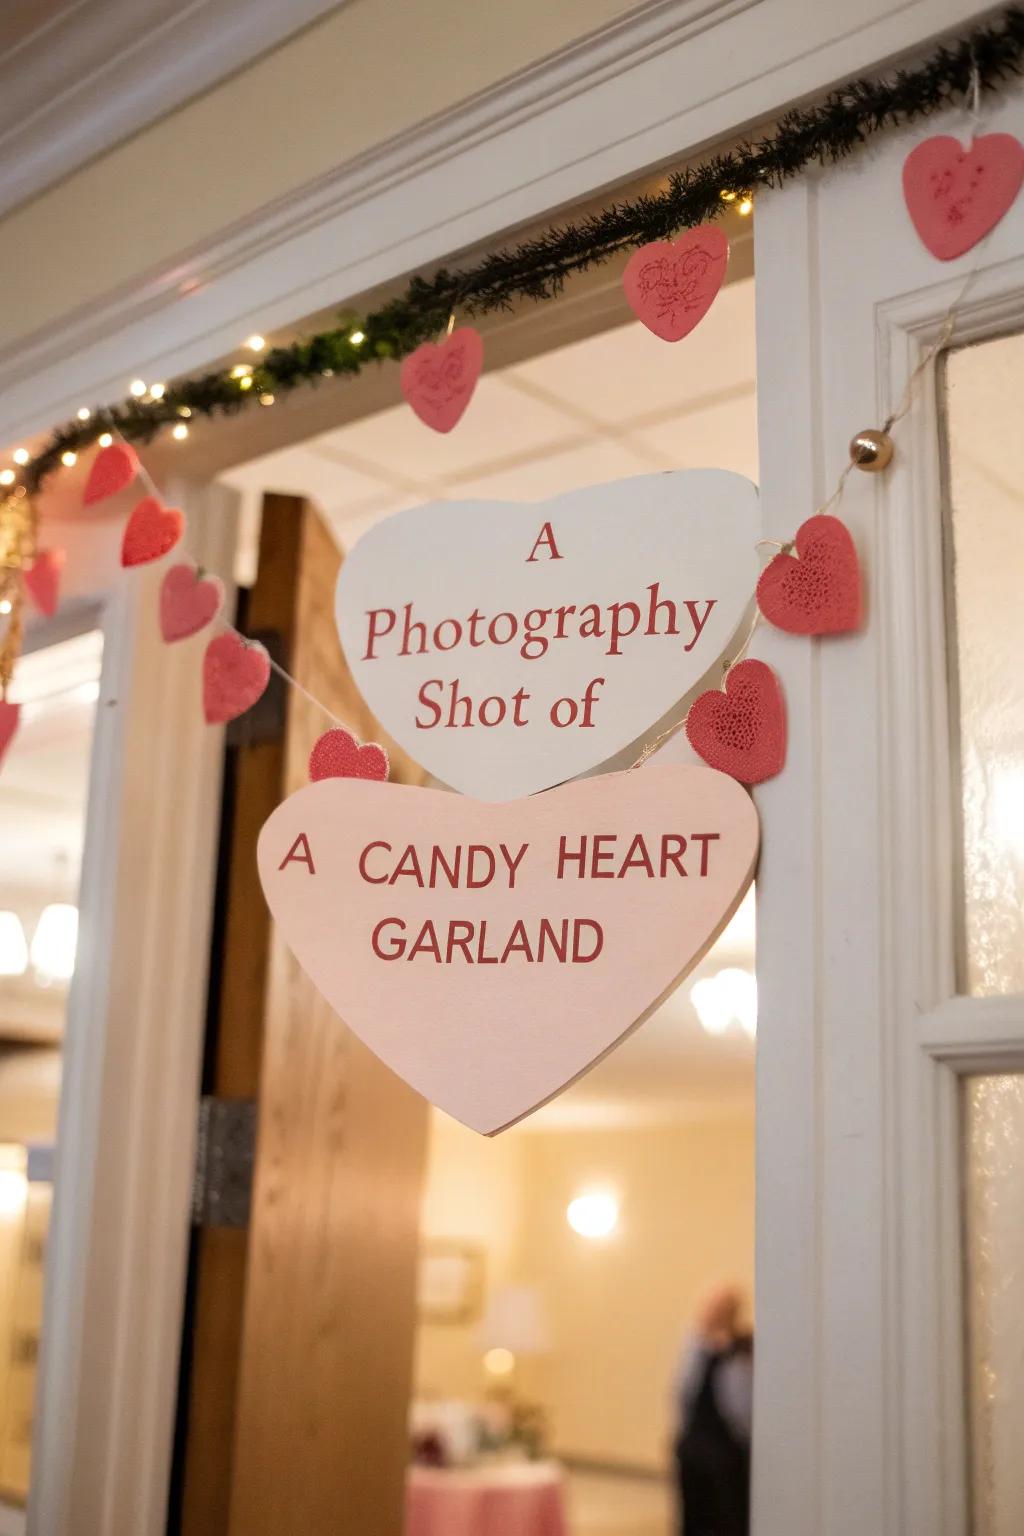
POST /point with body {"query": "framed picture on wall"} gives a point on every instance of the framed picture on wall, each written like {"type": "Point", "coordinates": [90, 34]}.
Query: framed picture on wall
{"type": "Point", "coordinates": [450, 1281]}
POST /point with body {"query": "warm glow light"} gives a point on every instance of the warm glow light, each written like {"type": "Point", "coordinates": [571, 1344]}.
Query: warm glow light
{"type": "Point", "coordinates": [256, 343]}
{"type": "Point", "coordinates": [185, 410]}
{"type": "Point", "coordinates": [68, 458]}
{"type": "Point", "coordinates": [157, 391]}
{"type": "Point", "coordinates": [730, 997]}
{"type": "Point", "coordinates": [241, 370]}
{"type": "Point", "coordinates": [137, 388]}
{"type": "Point", "coordinates": [7, 477]}
{"type": "Point", "coordinates": [83, 413]}
{"type": "Point", "coordinates": [357, 338]}
{"type": "Point", "coordinates": [245, 382]}
{"type": "Point", "coordinates": [5, 605]}
{"type": "Point", "coordinates": [13, 1192]}
{"type": "Point", "coordinates": [746, 204]}
{"type": "Point", "coordinates": [21, 455]}
{"type": "Point", "coordinates": [1006, 808]}
{"type": "Point", "coordinates": [727, 197]}
{"type": "Point", "coordinates": [180, 431]}
{"type": "Point", "coordinates": [499, 1362]}
{"type": "Point", "coordinates": [266, 398]}
{"type": "Point", "coordinates": [55, 941]}
{"type": "Point", "coordinates": [13, 948]}
{"type": "Point", "coordinates": [593, 1215]}
{"type": "Point", "coordinates": [105, 439]}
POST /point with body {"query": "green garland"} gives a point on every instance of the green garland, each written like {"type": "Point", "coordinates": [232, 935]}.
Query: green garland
{"type": "Point", "coordinates": [537, 268]}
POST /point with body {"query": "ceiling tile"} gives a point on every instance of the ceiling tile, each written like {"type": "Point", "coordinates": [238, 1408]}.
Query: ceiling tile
{"type": "Point", "coordinates": [719, 437]}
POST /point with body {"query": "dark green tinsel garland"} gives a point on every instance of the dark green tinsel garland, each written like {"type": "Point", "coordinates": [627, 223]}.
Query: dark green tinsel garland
{"type": "Point", "coordinates": [538, 267]}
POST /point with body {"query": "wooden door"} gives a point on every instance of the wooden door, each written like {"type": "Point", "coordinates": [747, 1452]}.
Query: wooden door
{"type": "Point", "coordinates": [298, 1355]}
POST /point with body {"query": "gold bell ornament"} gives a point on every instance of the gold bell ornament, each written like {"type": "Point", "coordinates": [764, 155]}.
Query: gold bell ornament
{"type": "Point", "coordinates": [871, 450]}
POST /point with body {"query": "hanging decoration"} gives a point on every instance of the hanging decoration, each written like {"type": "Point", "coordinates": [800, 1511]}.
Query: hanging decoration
{"type": "Point", "coordinates": [817, 590]}
{"type": "Point", "coordinates": [337, 755]}
{"type": "Point", "coordinates": [113, 470]}
{"type": "Point", "coordinates": [510, 646]}
{"type": "Point", "coordinates": [489, 954]}
{"type": "Point", "coordinates": [151, 532]}
{"type": "Point", "coordinates": [236, 672]}
{"type": "Point", "coordinates": [671, 285]}
{"type": "Point", "coordinates": [741, 728]}
{"type": "Point", "coordinates": [955, 196]}
{"type": "Point", "coordinates": [438, 381]}
{"type": "Point", "coordinates": [189, 601]}
{"type": "Point", "coordinates": [42, 580]}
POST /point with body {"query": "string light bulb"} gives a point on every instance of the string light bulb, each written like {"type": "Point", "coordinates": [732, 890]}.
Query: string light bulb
{"type": "Point", "coordinates": [745, 205]}
{"type": "Point", "coordinates": [185, 411]}
{"type": "Point", "coordinates": [256, 342]}
{"type": "Point", "coordinates": [83, 413]}
{"type": "Point", "coordinates": [105, 439]}
{"type": "Point", "coordinates": [7, 476]}
{"type": "Point", "coordinates": [266, 398]}
{"type": "Point", "coordinates": [726, 196]}
{"type": "Point", "coordinates": [357, 338]}
{"type": "Point", "coordinates": [245, 382]}
{"type": "Point", "coordinates": [5, 607]}
{"type": "Point", "coordinates": [137, 387]}
{"type": "Point", "coordinates": [157, 391]}
{"type": "Point", "coordinates": [241, 370]}
{"type": "Point", "coordinates": [21, 455]}
{"type": "Point", "coordinates": [180, 431]}
{"type": "Point", "coordinates": [68, 458]}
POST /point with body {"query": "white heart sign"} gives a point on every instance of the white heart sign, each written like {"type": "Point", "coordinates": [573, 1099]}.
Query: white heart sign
{"type": "Point", "coordinates": [512, 646]}
{"type": "Point", "coordinates": [490, 954]}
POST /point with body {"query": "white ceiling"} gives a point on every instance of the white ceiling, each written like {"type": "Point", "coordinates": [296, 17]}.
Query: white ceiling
{"type": "Point", "coordinates": [616, 404]}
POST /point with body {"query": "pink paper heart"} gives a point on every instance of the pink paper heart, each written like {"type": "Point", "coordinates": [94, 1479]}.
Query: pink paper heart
{"type": "Point", "coordinates": [42, 580]}
{"type": "Point", "coordinates": [188, 601]}
{"type": "Point", "coordinates": [954, 195]}
{"type": "Point", "coordinates": [235, 674]}
{"type": "Point", "coordinates": [438, 380]}
{"type": "Point", "coordinates": [113, 468]}
{"type": "Point", "coordinates": [671, 284]}
{"type": "Point", "coordinates": [10, 715]}
{"type": "Point", "coordinates": [818, 592]}
{"type": "Point", "coordinates": [150, 532]}
{"type": "Point", "coordinates": [741, 730]}
{"type": "Point", "coordinates": [337, 755]}
{"type": "Point", "coordinates": [486, 1011]}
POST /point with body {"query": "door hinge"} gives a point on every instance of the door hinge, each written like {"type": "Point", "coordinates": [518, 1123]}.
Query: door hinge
{"type": "Point", "coordinates": [225, 1155]}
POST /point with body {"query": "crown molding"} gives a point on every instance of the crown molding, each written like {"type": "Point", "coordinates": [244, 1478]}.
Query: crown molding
{"type": "Point", "coordinates": [93, 72]}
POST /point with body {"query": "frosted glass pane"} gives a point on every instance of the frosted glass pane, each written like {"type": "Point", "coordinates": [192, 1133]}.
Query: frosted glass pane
{"type": "Point", "coordinates": [985, 540]}
{"type": "Point", "coordinates": [994, 1234]}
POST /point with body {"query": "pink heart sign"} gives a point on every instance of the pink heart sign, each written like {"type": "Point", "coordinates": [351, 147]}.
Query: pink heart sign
{"type": "Point", "coordinates": [954, 195]}
{"type": "Point", "coordinates": [438, 381]}
{"type": "Point", "coordinates": [671, 285]}
{"type": "Point", "coordinates": [490, 954]}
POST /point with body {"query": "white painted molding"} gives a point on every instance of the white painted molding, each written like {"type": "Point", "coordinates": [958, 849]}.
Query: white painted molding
{"type": "Point", "coordinates": [98, 72]}
{"type": "Point", "coordinates": [657, 85]}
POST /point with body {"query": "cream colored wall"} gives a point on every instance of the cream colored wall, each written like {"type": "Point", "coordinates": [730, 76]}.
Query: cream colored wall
{"type": "Point", "coordinates": [368, 71]}
{"type": "Point", "coordinates": [619, 1310]}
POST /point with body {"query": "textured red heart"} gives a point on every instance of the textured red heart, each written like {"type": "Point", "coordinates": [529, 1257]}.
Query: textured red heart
{"type": "Point", "coordinates": [235, 673]}
{"type": "Point", "coordinates": [818, 593]}
{"type": "Point", "coordinates": [150, 532]}
{"type": "Point", "coordinates": [112, 470]}
{"type": "Point", "coordinates": [438, 381]}
{"type": "Point", "coordinates": [188, 601]}
{"type": "Point", "coordinates": [742, 731]}
{"type": "Point", "coordinates": [671, 284]}
{"type": "Point", "coordinates": [42, 579]}
{"type": "Point", "coordinates": [337, 755]}
{"type": "Point", "coordinates": [9, 716]}
{"type": "Point", "coordinates": [954, 195]}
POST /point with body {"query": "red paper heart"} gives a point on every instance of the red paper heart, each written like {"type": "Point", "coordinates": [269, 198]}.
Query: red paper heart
{"type": "Point", "coordinates": [743, 730]}
{"type": "Point", "coordinates": [954, 195]}
{"type": "Point", "coordinates": [337, 755]}
{"type": "Point", "coordinates": [188, 601]}
{"type": "Point", "coordinates": [113, 468]}
{"type": "Point", "coordinates": [9, 716]}
{"type": "Point", "coordinates": [671, 284]}
{"type": "Point", "coordinates": [819, 593]}
{"type": "Point", "coordinates": [235, 673]}
{"type": "Point", "coordinates": [438, 381]}
{"type": "Point", "coordinates": [150, 532]}
{"type": "Point", "coordinates": [42, 579]}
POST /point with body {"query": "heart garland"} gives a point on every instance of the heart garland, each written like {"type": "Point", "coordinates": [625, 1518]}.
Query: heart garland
{"type": "Point", "coordinates": [741, 729]}
{"type": "Point", "coordinates": [818, 593]}
{"type": "Point", "coordinates": [337, 755]}
{"type": "Point", "coordinates": [438, 380]}
{"type": "Point", "coordinates": [113, 469]}
{"type": "Point", "coordinates": [151, 532]}
{"type": "Point", "coordinates": [188, 601]}
{"type": "Point", "coordinates": [671, 284]}
{"type": "Point", "coordinates": [42, 580]}
{"type": "Point", "coordinates": [955, 196]}
{"type": "Point", "coordinates": [236, 672]}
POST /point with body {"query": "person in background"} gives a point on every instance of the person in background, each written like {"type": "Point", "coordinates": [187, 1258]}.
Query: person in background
{"type": "Point", "coordinates": [714, 1400]}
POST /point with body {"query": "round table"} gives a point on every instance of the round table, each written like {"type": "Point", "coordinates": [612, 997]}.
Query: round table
{"type": "Point", "coordinates": [505, 1499]}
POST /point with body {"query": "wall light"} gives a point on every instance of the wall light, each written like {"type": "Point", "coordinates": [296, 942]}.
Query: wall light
{"type": "Point", "coordinates": [728, 998]}
{"type": "Point", "coordinates": [13, 948]}
{"type": "Point", "coordinates": [55, 941]}
{"type": "Point", "coordinates": [594, 1215]}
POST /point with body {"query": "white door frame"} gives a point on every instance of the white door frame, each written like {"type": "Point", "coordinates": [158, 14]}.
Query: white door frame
{"type": "Point", "coordinates": [681, 74]}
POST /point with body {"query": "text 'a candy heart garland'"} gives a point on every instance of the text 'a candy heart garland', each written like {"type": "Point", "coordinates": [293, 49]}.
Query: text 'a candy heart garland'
{"type": "Point", "coordinates": [817, 592]}
{"type": "Point", "coordinates": [954, 195]}
{"type": "Point", "coordinates": [490, 954]}
{"type": "Point", "coordinates": [741, 730]}
{"type": "Point", "coordinates": [511, 646]}
{"type": "Point", "coordinates": [151, 532]}
{"type": "Point", "coordinates": [188, 601]}
{"type": "Point", "coordinates": [671, 284]}
{"type": "Point", "coordinates": [438, 380]}
{"type": "Point", "coordinates": [337, 755]}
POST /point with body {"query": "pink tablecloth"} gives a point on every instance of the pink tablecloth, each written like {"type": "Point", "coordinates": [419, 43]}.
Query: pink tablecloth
{"type": "Point", "coordinates": [515, 1500]}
